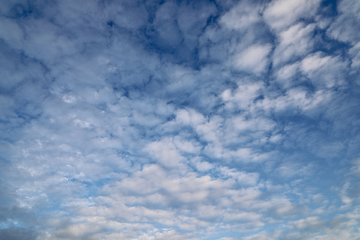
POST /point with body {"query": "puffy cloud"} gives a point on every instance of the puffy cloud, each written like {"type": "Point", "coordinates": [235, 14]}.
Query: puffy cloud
{"type": "Point", "coordinates": [242, 16]}
{"type": "Point", "coordinates": [253, 59]}
{"type": "Point", "coordinates": [343, 28]}
{"type": "Point", "coordinates": [327, 70]}
{"type": "Point", "coordinates": [175, 120]}
{"type": "Point", "coordinates": [281, 14]}
{"type": "Point", "coordinates": [296, 41]}
{"type": "Point", "coordinates": [166, 153]}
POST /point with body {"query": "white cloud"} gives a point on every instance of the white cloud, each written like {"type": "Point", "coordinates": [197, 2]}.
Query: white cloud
{"type": "Point", "coordinates": [189, 117]}
{"type": "Point", "coordinates": [242, 124]}
{"type": "Point", "coordinates": [260, 236]}
{"type": "Point", "coordinates": [243, 96]}
{"type": "Point", "coordinates": [355, 53]}
{"type": "Point", "coordinates": [245, 179]}
{"type": "Point", "coordinates": [281, 14]}
{"type": "Point", "coordinates": [203, 166]}
{"type": "Point", "coordinates": [286, 74]}
{"type": "Point", "coordinates": [344, 28]}
{"type": "Point", "coordinates": [308, 223]}
{"type": "Point", "coordinates": [242, 16]}
{"type": "Point", "coordinates": [253, 59]}
{"type": "Point", "coordinates": [178, 120]}
{"type": "Point", "coordinates": [324, 70]}
{"type": "Point", "coordinates": [296, 41]}
{"type": "Point", "coordinates": [167, 153]}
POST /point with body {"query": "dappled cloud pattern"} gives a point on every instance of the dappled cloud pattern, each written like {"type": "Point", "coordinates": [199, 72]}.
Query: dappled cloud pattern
{"type": "Point", "coordinates": [172, 120]}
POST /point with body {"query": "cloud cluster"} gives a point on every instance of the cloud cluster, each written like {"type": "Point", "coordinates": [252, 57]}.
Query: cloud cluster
{"type": "Point", "coordinates": [179, 120]}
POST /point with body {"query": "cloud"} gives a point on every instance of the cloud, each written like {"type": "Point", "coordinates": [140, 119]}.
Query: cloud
{"type": "Point", "coordinates": [348, 20]}
{"type": "Point", "coordinates": [283, 13]}
{"type": "Point", "coordinates": [309, 222]}
{"type": "Point", "coordinates": [253, 59]}
{"type": "Point", "coordinates": [354, 51]}
{"type": "Point", "coordinates": [179, 120]}
{"type": "Point", "coordinates": [242, 16]}
{"type": "Point", "coordinates": [259, 236]}
{"type": "Point", "coordinates": [294, 42]}
{"type": "Point", "coordinates": [166, 153]}
{"type": "Point", "coordinates": [314, 67]}
{"type": "Point", "coordinates": [18, 233]}
{"type": "Point", "coordinates": [246, 179]}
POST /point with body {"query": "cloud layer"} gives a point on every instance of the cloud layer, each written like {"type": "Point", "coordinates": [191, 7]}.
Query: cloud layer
{"type": "Point", "coordinates": [179, 120]}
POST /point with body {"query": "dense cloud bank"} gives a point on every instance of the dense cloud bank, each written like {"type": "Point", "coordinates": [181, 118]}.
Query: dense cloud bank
{"type": "Point", "coordinates": [179, 119]}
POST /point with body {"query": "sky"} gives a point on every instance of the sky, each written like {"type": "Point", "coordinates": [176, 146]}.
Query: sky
{"type": "Point", "coordinates": [179, 120]}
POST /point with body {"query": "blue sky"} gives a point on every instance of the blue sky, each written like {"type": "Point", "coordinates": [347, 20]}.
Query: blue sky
{"type": "Point", "coordinates": [173, 120]}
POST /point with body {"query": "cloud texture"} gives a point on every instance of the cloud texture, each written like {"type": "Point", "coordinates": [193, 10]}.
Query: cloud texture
{"type": "Point", "coordinates": [179, 120]}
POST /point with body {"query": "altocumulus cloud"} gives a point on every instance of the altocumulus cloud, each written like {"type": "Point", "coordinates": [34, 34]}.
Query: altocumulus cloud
{"type": "Point", "coordinates": [174, 120]}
